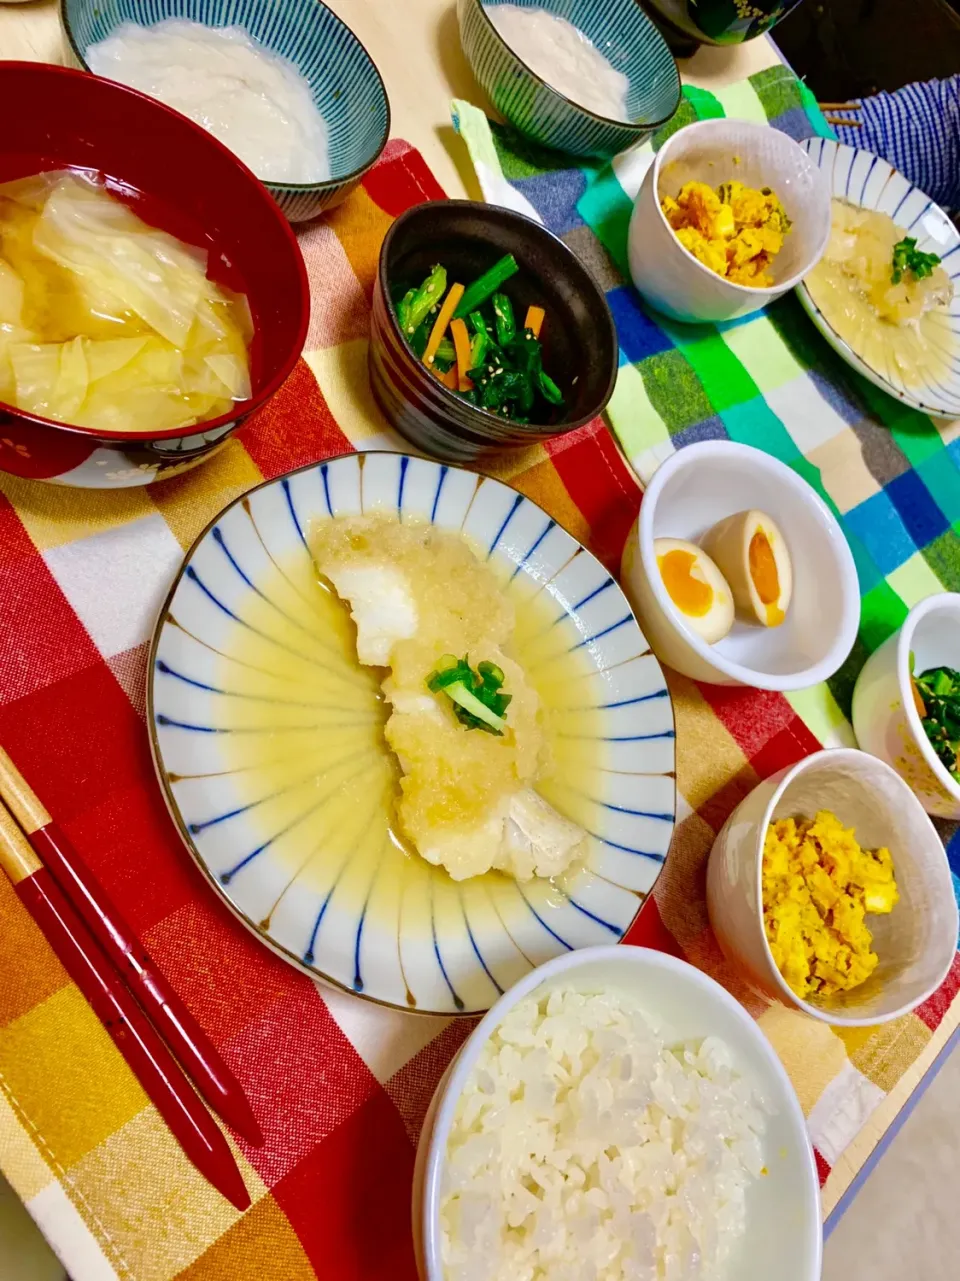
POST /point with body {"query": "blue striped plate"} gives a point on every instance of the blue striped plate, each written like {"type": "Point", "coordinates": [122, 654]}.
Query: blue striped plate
{"type": "Point", "coordinates": [865, 180]}
{"type": "Point", "coordinates": [343, 78]}
{"type": "Point", "coordinates": [285, 822]}
{"type": "Point", "coordinates": [623, 34]}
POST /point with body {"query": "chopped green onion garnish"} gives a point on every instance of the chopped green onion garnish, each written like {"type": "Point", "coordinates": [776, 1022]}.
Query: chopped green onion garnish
{"type": "Point", "coordinates": [907, 257]}
{"type": "Point", "coordinates": [478, 703]}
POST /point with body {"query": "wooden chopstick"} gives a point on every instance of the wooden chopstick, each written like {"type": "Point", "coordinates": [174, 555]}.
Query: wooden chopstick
{"type": "Point", "coordinates": [197, 1055]}
{"type": "Point", "coordinates": [134, 1036]}
{"type": "Point", "coordinates": [830, 110]}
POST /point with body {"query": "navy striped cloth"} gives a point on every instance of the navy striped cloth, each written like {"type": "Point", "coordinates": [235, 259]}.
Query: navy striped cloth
{"type": "Point", "coordinates": [917, 129]}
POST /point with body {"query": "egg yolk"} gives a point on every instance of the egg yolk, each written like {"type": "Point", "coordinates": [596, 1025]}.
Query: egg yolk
{"type": "Point", "coordinates": [692, 596]}
{"type": "Point", "coordinates": [766, 580]}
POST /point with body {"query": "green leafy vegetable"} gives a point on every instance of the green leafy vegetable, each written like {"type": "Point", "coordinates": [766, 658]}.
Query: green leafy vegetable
{"type": "Point", "coordinates": [446, 355]}
{"type": "Point", "coordinates": [418, 339]}
{"type": "Point", "coordinates": [503, 318]}
{"type": "Point", "coordinates": [907, 257]}
{"type": "Point", "coordinates": [424, 298]}
{"type": "Point", "coordinates": [506, 365]}
{"type": "Point", "coordinates": [937, 697]}
{"type": "Point", "coordinates": [484, 286]}
{"type": "Point", "coordinates": [403, 311]}
{"type": "Point", "coordinates": [550, 389]}
{"type": "Point", "coordinates": [477, 700]}
{"type": "Point", "coordinates": [479, 345]}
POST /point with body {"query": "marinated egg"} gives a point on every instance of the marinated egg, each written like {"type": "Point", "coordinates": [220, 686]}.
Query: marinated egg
{"type": "Point", "coordinates": [697, 588]}
{"type": "Point", "coordinates": [752, 555]}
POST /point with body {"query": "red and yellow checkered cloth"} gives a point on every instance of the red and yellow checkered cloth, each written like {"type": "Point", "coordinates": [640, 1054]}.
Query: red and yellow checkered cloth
{"type": "Point", "coordinates": [340, 1086]}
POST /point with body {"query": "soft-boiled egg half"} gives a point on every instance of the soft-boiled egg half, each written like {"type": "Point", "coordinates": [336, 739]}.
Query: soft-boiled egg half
{"type": "Point", "coordinates": [753, 557]}
{"type": "Point", "coordinates": [698, 590]}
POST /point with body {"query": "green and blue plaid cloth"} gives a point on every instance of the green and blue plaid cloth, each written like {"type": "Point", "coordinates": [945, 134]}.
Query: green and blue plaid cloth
{"type": "Point", "coordinates": [889, 473]}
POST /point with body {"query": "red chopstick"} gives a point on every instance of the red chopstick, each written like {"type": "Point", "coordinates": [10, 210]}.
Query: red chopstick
{"type": "Point", "coordinates": [134, 1036]}
{"type": "Point", "coordinates": [176, 1025]}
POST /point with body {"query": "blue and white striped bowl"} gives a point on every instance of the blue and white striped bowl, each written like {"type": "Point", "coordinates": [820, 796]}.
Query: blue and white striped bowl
{"type": "Point", "coordinates": [397, 930]}
{"type": "Point", "coordinates": [865, 180]}
{"type": "Point", "coordinates": [345, 83]}
{"type": "Point", "coordinates": [623, 34]}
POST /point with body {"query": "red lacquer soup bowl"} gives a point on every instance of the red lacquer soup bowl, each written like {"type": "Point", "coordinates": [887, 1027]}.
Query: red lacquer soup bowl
{"type": "Point", "coordinates": [177, 177]}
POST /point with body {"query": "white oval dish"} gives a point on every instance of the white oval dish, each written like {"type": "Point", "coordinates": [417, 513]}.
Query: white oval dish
{"type": "Point", "coordinates": [404, 934]}
{"type": "Point", "coordinates": [700, 485]}
{"type": "Point", "coordinates": [885, 719]}
{"type": "Point", "coordinates": [783, 1237]}
{"type": "Point", "coordinates": [865, 180]}
{"type": "Point", "coordinates": [668, 276]}
{"type": "Point", "coordinates": [915, 943]}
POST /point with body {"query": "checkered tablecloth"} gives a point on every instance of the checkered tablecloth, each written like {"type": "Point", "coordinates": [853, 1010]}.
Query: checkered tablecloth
{"type": "Point", "coordinates": [339, 1085]}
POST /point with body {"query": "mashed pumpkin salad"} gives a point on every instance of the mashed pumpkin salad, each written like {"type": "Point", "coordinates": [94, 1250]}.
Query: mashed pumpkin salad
{"type": "Point", "coordinates": [735, 231]}
{"type": "Point", "coordinates": [819, 886]}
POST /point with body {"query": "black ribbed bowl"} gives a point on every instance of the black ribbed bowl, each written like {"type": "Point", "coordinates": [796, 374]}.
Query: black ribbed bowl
{"type": "Point", "coordinates": [579, 339]}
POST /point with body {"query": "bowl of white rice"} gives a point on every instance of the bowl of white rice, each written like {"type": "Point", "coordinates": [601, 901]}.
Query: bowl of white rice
{"type": "Point", "coordinates": [616, 1116]}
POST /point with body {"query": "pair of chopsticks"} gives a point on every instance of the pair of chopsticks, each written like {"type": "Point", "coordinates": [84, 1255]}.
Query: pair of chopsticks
{"type": "Point", "coordinates": [147, 1021]}
{"type": "Point", "coordinates": [830, 109]}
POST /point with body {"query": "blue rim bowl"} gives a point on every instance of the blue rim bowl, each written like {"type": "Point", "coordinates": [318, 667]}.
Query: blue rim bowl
{"type": "Point", "coordinates": [346, 85]}
{"type": "Point", "coordinates": [863, 179]}
{"type": "Point", "coordinates": [625, 36]}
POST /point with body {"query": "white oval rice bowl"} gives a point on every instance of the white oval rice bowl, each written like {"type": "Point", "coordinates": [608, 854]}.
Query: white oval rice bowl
{"type": "Point", "coordinates": [741, 1183]}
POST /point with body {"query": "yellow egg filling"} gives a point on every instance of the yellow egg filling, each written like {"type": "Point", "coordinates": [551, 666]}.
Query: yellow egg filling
{"type": "Point", "coordinates": [766, 579]}
{"type": "Point", "coordinates": [819, 885]}
{"type": "Point", "coordinates": [691, 595]}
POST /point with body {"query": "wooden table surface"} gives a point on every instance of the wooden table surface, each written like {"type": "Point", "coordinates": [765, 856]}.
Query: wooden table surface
{"type": "Point", "coordinates": [416, 45]}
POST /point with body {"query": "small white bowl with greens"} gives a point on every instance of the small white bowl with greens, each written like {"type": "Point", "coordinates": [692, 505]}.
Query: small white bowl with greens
{"type": "Point", "coordinates": [906, 703]}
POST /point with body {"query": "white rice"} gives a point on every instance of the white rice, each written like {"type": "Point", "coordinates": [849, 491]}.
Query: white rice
{"type": "Point", "coordinates": [587, 1147]}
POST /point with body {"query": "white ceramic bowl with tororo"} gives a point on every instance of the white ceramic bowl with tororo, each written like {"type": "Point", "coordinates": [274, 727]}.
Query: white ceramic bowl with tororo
{"type": "Point", "coordinates": [885, 718]}
{"type": "Point", "coordinates": [783, 1237]}
{"type": "Point", "coordinates": [689, 493]}
{"type": "Point", "coordinates": [915, 943]}
{"type": "Point", "coordinates": [668, 276]}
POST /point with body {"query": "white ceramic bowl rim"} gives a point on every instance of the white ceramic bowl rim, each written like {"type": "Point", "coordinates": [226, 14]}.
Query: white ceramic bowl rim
{"type": "Point", "coordinates": [904, 645]}
{"type": "Point", "coordinates": [464, 1065]}
{"type": "Point", "coordinates": [716, 126]}
{"type": "Point", "coordinates": [838, 754]}
{"type": "Point", "coordinates": [850, 618]}
{"type": "Point", "coordinates": [578, 106]}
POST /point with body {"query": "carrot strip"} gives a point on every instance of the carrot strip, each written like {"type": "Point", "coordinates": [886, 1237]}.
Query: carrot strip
{"type": "Point", "coordinates": [534, 320]}
{"type": "Point", "coordinates": [449, 379]}
{"type": "Point", "coordinates": [441, 322]}
{"type": "Point", "coordinates": [461, 342]}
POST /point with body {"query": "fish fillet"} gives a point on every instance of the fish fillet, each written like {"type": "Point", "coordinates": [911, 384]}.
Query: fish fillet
{"type": "Point", "coordinates": [468, 801]}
